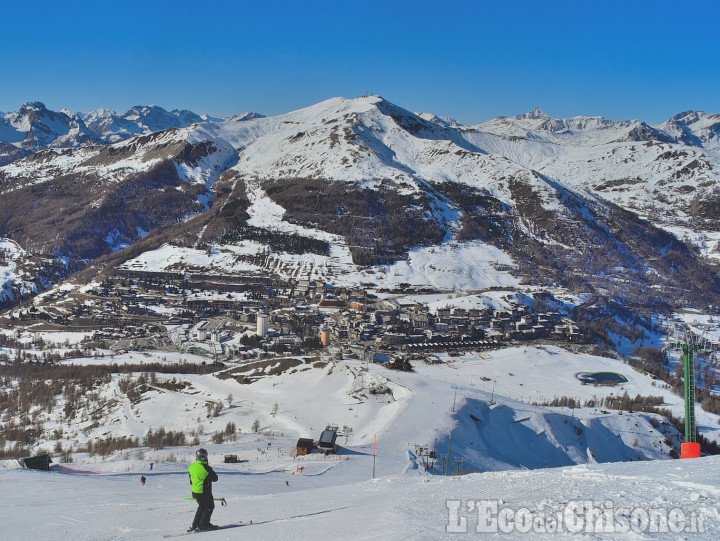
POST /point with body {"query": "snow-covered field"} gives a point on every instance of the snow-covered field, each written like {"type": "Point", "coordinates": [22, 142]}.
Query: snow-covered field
{"type": "Point", "coordinates": [452, 266]}
{"type": "Point", "coordinates": [648, 500]}
{"type": "Point", "coordinates": [482, 400]}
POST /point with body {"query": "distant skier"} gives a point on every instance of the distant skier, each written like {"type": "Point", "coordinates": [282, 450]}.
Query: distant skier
{"type": "Point", "coordinates": [202, 477]}
{"type": "Point", "coordinates": [142, 480]}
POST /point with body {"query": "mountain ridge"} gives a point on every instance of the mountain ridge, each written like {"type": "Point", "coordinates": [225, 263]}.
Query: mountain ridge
{"type": "Point", "coordinates": [704, 127]}
{"type": "Point", "coordinates": [366, 184]}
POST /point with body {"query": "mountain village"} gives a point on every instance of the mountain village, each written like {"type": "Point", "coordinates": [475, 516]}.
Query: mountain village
{"type": "Point", "coordinates": [213, 315]}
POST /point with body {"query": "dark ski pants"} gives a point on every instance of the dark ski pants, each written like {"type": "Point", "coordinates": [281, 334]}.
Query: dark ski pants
{"type": "Point", "coordinates": [205, 509]}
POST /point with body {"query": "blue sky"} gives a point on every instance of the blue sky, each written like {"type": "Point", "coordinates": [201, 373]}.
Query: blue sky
{"type": "Point", "coordinates": [472, 60]}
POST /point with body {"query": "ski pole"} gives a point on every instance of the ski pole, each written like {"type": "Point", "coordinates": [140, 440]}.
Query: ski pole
{"type": "Point", "coordinates": [221, 500]}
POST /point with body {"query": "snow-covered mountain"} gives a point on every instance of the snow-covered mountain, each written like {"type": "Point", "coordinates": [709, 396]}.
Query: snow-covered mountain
{"type": "Point", "coordinates": [576, 131]}
{"type": "Point", "coordinates": [248, 115]}
{"type": "Point", "coordinates": [374, 183]}
{"type": "Point", "coordinates": [364, 140]}
{"type": "Point", "coordinates": [114, 195]}
{"type": "Point", "coordinates": [444, 121]}
{"type": "Point", "coordinates": [112, 127]}
{"type": "Point", "coordinates": [34, 127]}
{"type": "Point", "coordinates": [663, 176]}
{"type": "Point", "coordinates": [694, 128]}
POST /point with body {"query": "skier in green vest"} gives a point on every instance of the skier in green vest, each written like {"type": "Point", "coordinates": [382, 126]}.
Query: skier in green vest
{"type": "Point", "coordinates": [202, 477]}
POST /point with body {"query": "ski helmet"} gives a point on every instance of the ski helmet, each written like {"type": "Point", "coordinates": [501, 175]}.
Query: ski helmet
{"type": "Point", "coordinates": [201, 454]}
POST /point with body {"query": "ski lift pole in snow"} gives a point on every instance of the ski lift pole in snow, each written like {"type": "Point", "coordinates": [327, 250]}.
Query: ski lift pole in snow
{"type": "Point", "coordinates": [689, 343]}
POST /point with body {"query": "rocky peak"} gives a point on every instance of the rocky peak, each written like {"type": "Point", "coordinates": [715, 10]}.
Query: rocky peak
{"type": "Point", "coordinates": [535, 114]}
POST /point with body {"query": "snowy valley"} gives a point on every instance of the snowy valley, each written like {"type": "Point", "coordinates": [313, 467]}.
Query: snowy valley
{"type": "Point", "coordinates": [448, 297]}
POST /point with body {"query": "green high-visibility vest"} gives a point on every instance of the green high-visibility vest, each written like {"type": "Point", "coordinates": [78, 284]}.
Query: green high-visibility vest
{"type": "Point", "coordinates": [198, 473]}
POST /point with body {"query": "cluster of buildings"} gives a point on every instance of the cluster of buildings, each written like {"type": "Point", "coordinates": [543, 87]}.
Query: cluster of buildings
{"type": "Point", "coordinates": [233, 316]}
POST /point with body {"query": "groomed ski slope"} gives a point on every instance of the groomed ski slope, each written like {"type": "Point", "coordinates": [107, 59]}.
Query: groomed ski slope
{"type": "Point", "coordinates": [54, 506]}
{"type": "Point", "coordinates": [336, 497]}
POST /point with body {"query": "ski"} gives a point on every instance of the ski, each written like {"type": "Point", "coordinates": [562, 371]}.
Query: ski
{"type": "Point", "coordinates": [223, 527]}
{"type": "Point", "coordinates": [251, 523]}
